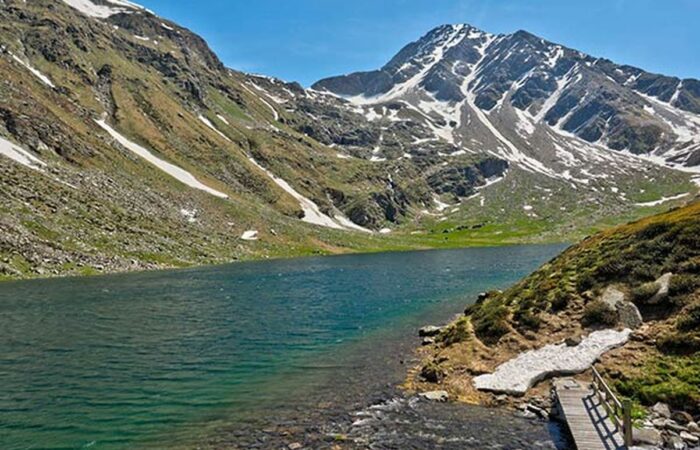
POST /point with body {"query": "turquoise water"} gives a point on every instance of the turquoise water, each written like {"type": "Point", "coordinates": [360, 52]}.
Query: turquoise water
{"type": "Point", "coordinates": [174, 357]}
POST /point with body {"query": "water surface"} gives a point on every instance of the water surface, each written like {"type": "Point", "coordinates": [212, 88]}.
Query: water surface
{"type": "Point", "coordinates": [218, 355]}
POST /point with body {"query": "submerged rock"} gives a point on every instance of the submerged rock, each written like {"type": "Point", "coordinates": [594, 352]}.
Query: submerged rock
{"type": "Point", "coordinates": [516, 376]}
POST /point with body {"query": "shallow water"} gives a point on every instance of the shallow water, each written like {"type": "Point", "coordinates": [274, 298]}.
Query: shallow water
{"type": "Point", "coordinates": [244, 355]}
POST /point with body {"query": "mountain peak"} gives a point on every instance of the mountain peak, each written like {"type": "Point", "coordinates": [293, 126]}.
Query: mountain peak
{"type": "Point", "coordinates": [457, 72]}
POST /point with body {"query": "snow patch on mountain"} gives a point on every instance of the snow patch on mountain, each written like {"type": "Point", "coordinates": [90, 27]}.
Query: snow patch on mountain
{"type": "Point", "coordinates": [250, 235]}
{"type": "Point", "coordinates": [456, 35]}
{"type": "Point", "coordinates": [663, 200]}
{"type": "Point", "coordinates": [208, 123]}
{"type": "Point", "coordinates": [44, 79]}
{"type": "Point", "coordinates": [20, 155]}
{"type": "Point", "coordinates": [275, 114]}
{"type": "Point", "coordinates": [103, 11]}
{"type": "Point", "coordinates": [174, 171]}
{"type": "Point", "coordinates": [312, 213]}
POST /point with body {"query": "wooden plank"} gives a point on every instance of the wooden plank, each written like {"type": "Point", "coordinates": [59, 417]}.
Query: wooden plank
{"type": "Point", "coordinates": [588, 420]}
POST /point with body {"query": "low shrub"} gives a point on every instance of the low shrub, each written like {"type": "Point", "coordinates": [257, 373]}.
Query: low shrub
{"type": "Point", "coordinates": [528, 320]}
{"type": "Point", "coordinates": [644, 292]}
{"type": "Point", "coordinates": [559, 300]}
{"type": "Point", "coordinates": [679, 343]}
{"type": "Point", "coordinates": [670, 379]}
{"type": "Point", "coordinates": [432, 372]}
{"type": "Point", "coordinates": [683, 284]}
{"type": "Point", "coordinates": [459, 331]}
{"type": "Point", "coordinates": [689, 319]}
{"type": "Point", "coordinates": [598, 313]}
{"type": "Point", "coordinates": [490, 321]}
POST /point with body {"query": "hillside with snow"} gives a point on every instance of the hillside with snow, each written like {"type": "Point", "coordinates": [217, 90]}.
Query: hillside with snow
{"type": "Point", "coordinates": [125, 143]}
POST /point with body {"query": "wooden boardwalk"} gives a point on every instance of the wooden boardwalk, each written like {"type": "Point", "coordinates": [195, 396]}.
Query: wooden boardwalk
{"type": "Point", "coordinates": [587, 418]}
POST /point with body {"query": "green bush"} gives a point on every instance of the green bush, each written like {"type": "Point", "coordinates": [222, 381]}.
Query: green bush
{"type": "Point", "coordinates": [490, 321]}
{"type": "Point", "coordinates": [689, 319]}
{"type": "Point", "coordinates": [457, 332]}
{"type": "Point", "coordinates": [432, 372]}
{"type": "Point", "coordinates": [598, 313]}
{"type": "Point", "coordinates": [559, 300]}
{"type": "Point", "coordinates": [678, 342]}
{"type": "Point", "coordinates": [644, 292]}
{"type": "Point", "coordinates": [528, 320]}
{"type": "Point", "coordinates": [690, 266]}
{"type": "Point", "coordinates": [669, 379]}
{"type": "Point", "coordinates": [683, 284]}
{"type": "Point", "coordinates": [585, 282]}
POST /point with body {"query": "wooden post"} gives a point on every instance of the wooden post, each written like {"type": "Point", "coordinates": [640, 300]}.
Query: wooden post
{"type": "Point", "coordinates": [627, 422]}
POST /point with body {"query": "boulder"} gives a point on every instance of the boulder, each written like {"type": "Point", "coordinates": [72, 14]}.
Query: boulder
{"type": "Point", "coordinates": [664, 282]}
{"type": "Point", "coordinates": [675, 443]}
{"type": "Point", "coordinates": [693, 427]}
{"type": "Point", "coordinates": [659, 423]}
{"type": "Point", "coordinates": [671, 425]}
{"type": "Point", "coordinates": [541, 412]}
{"type": "Point", "coordinates": [647, 436]}
{"type": "Point", "coordinates": [682, 417]}
{"type": "Point", "coordinates": [428, 340]}
{"type": "Point", "coordinates": [630, 316]}
{"type": "Point", "coordinates": [689, 438]}
{"type": "Point", "coordinates": [436, 396]}
{"type": "Point", "coordinates": [661, 409]}
{"type": "Point", "coordinates": [572, 341]}
{"type": "Point", "coordinates": [612, 297]}
{"type": "Point", "coordinates": [627, 312]}
{"type": "Point", "coordinates": [429, 330]}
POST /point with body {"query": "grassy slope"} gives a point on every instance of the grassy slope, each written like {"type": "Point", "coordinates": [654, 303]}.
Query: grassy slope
{"type": "Point", "coordinates": [662, 363]}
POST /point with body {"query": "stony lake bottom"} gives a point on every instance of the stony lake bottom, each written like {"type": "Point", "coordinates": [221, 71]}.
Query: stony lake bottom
{"type": "Point", "coordinates": [248, 355]}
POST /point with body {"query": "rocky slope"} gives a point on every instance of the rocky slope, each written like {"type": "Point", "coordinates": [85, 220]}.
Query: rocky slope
{"type": "Point", "coordinates": [126, 144]}
{"type": "Point", "coordinates": [642, 277]}
{"type": "Point", "coordinates": [516, 95]}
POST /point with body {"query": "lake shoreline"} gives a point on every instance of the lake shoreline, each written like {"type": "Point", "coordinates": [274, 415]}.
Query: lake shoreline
{"type": "Point", "coordinates": [112, 271]}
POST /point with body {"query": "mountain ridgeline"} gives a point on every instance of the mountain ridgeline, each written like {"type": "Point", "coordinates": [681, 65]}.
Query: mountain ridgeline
{"type": "Point", "coordinates": [125, 143]}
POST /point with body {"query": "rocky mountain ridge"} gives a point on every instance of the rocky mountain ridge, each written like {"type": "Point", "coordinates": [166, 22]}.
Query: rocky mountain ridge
{"type": "Point", "coordinates": [127, 144]}
{"type": "Point", "coordinates": [469, 72]}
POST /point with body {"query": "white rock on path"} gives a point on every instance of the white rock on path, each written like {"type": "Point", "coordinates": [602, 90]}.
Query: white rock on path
{"type": "Point", "coordinates": [436, 396]}
{"type": "Point", "coordinates": [516, 376]}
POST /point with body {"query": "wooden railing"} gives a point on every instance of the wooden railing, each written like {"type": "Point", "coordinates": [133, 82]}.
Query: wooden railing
{"type": "Point", "coordinates": [620, 412]}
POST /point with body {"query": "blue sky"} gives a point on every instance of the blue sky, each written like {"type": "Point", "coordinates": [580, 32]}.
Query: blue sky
{"type": "Point", "coordinates": [305, 40]}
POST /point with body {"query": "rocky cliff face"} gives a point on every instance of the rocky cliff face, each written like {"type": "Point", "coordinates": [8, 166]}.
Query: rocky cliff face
{"type": "Point", "coordinates": [522, 78]}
